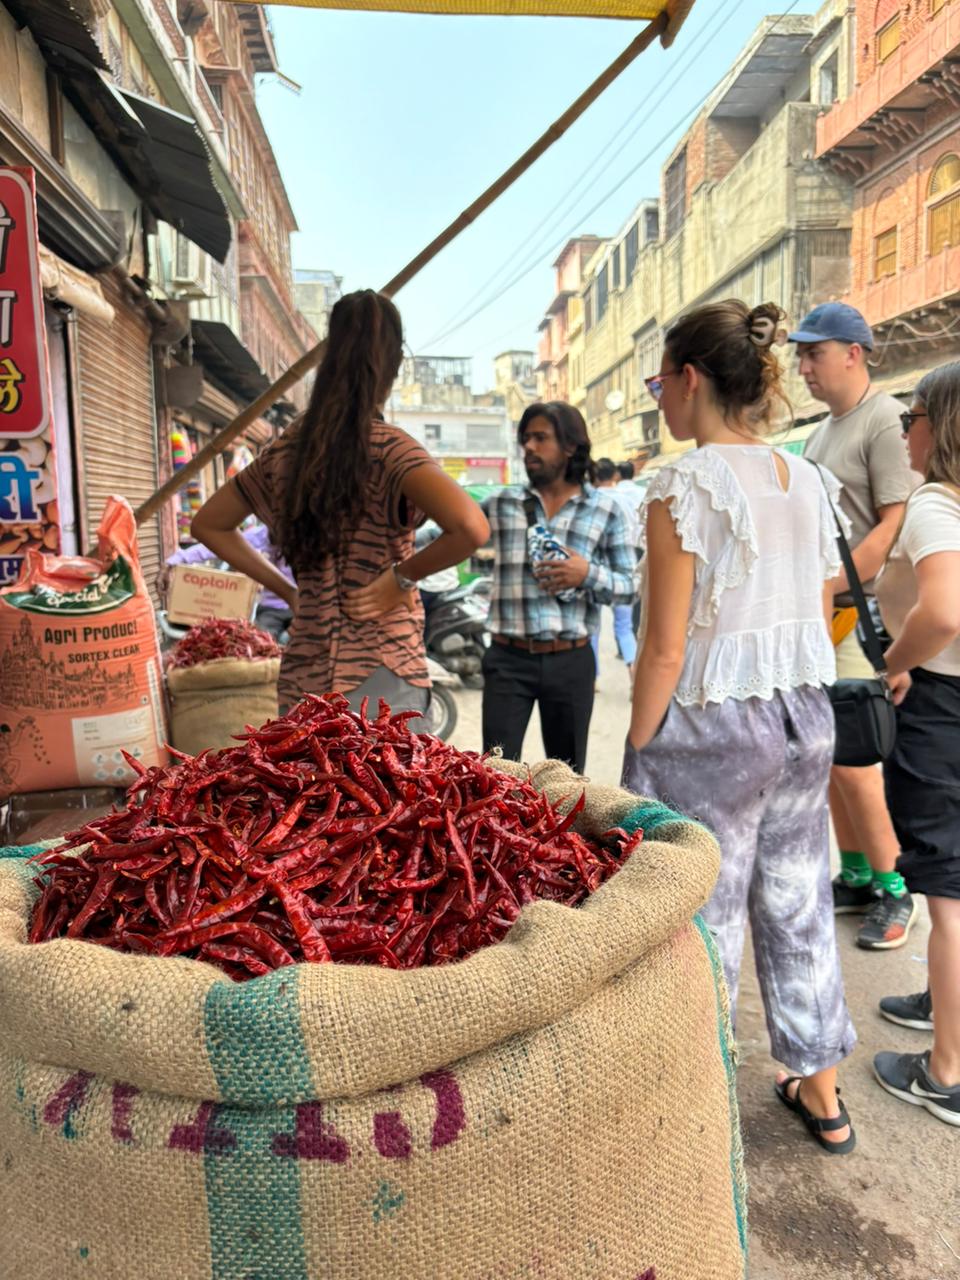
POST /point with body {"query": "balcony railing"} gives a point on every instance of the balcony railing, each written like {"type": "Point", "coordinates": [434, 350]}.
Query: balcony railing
{"type": "Point", "coordinates": [921, 58]}
{"type": "Point", "coordinates": [930, 281]}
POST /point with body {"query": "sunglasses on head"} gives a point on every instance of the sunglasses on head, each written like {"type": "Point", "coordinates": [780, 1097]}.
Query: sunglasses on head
{"type": "Point", "coordinates": [907, 419]}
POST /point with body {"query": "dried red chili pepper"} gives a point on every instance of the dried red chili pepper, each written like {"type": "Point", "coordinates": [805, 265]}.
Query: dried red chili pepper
{"type": "Point", "coordinates": [322, 836]}
{"type": "Point", "coordinates": [223, 638]}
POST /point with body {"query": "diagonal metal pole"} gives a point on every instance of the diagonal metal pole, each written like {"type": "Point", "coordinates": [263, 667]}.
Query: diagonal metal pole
{"type": "Point", "coordinates": [665, 25]}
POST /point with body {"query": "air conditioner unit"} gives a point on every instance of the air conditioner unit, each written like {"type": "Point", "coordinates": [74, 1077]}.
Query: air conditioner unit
{"type": "Point", "coordinates": [191, 269]}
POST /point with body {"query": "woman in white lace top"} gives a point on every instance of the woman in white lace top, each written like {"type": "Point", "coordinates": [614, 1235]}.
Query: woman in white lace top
{"type": "Point", "coordinates": [730, 722]}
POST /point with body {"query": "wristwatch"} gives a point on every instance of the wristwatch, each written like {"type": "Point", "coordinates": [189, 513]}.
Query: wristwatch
{"type": "Point", "coordinates": [405, 584]}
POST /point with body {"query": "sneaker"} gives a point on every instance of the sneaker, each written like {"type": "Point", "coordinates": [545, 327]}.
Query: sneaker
{"type": "Point", "coordinates": [850, 900]}
{"type": "Point", "coordinates": [907, 1076]}
{"type": "Point", "coordinates": [909, 1011]}
{"type": "Point", "coordinates": [888, 923]}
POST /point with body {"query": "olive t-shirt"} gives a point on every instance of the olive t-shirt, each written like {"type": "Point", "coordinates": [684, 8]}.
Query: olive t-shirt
{"type": "Point", "coordinates": [866, 451]}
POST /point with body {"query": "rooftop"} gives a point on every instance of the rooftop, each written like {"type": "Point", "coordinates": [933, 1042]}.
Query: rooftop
{"type": "Point", "coordinates": [776, 52]}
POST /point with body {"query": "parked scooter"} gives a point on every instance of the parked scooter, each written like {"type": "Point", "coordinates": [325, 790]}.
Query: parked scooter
{"type": "Point", "coordinates": [455, 632]}
{"type": "Point", "coordinates": [455, 629]}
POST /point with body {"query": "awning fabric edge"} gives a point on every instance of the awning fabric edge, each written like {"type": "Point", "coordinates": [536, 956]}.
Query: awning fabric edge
{"type": "Point", "coordinates": [629, 10]}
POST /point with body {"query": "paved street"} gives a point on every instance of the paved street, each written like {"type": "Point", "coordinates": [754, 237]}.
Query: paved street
{"type": "Point", "coordinates": [892, 1209]}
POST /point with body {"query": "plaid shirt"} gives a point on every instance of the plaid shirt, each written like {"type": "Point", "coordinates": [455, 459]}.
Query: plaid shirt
{"type": "Point", "coordinates": [591, 524]}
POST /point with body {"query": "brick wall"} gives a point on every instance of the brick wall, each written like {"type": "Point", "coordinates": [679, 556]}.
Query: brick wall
{"type": "Point", "coordinates": [897, 197]}
{"type": "Point", "coordinates": [727, 141]}
{"type": "Point", "coordinates": [872, 15]}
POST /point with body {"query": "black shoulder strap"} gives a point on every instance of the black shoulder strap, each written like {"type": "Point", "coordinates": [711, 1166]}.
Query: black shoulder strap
{"type": "Point", "coordinates": [531, 510]}
{"type": "Point", "coordinates": [871, 639]}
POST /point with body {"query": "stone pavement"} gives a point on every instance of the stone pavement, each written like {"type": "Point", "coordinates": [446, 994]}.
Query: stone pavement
{"type": "Point", "coordinates": [889, 1211]}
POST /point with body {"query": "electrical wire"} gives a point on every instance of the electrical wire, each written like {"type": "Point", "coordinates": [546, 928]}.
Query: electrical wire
{"type": "Point", "coordinates": [537, 262]}
{"type": "Point", "coordinates": [563, 207]}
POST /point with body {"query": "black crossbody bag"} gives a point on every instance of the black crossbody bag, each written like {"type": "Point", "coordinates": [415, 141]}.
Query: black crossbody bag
{"type": "Point", "coordinates": [863, 709]}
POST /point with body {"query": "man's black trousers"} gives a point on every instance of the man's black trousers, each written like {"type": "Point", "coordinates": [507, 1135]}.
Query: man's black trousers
{"type": "Point", "coordinates": [562, 684]}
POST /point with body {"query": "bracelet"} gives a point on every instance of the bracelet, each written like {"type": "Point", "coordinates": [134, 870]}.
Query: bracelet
{"type": "Point", "coordinates": [405, 584]}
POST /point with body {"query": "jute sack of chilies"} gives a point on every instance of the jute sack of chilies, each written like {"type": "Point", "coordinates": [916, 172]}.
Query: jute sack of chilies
{"type": "Point", "coordinates": [213, 701]}
{"type": "Point", "coordinates": [559, 1105]}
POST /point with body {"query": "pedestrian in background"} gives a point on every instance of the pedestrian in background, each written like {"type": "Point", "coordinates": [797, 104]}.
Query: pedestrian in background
{"type": "Point", "coordinates": [273, 615]}
{"type": "Point", "coordinates": [608, 478]}
{"type": "Point", "coordinates": [919, 595]}
{"type": "Point", "coordinates": [544, 611]}
{"type": "Point", "coordinates": [342, 492]}
{"type": "Point", "coordinates": [730, 722]}
{"type": "Point", "coordinates": [860, 443]}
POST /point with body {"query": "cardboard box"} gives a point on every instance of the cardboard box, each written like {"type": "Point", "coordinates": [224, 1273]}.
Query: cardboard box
{"type": "Point", "coordinates": [198, 592]}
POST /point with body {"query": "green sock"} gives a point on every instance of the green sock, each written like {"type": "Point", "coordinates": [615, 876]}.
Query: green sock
{"type": "Point", "coordinates": [890, 882]}
{"type": "Point", "coordinates": [855, 869]}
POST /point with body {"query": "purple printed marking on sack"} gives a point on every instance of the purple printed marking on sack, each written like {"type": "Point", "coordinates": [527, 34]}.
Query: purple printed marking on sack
{"type": "Point", "coordinates": [121, 1106]}
{"type": "Point", "coordinates": [391, 1136]}
{"type": "Point", "coordinates": [315, 1138]}
{"type": "Point", "coordinates": [71, 1095]}
{"type": "Point", "coordinates": [451, 1114]}
{"type": "Point", "coordinates": [649, 1274]}
{"type": "Point", "coordinates": [202, 1137]}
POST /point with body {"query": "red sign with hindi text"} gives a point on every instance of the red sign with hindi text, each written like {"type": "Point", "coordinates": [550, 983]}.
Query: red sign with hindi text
{"type": "Point", "coordinates": [24, 373]}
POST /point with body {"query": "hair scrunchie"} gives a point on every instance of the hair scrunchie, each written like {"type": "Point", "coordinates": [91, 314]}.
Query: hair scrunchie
{"type": "Point", "coordinates": [761, 328]}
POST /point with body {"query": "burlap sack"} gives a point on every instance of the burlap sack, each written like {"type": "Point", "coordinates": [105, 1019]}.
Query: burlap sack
{"type": "Point", "coordinates": [558, 1106]}
{"type": "Point", "coordinates": [213, 701]}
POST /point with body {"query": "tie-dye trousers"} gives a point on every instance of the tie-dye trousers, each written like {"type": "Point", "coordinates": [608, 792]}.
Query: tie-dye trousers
{"type": "Point", "coordinates": [756, 773]}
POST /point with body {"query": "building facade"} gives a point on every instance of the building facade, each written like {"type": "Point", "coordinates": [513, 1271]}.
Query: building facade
{"type": "Point", "coordinates": [315, 293]}
{"type": "Point", "coordinates": [553, 348]}
{"type": "Point", "coordinates": [164, 247]}
{"type": "Point", "coordinates": [472, 437]}
{"type": "Point", "coordinates": [745, 210]}
{"type": "Point", "coordinates": [896, 136]}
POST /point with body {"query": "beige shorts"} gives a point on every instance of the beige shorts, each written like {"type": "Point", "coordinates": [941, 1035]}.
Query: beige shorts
{"type": "Point", "coordinates": [852, 663]}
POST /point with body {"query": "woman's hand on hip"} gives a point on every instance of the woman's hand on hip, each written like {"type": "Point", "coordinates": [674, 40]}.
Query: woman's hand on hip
{"type": "Point", "coordinates": [899, 686]}
{"type": "Point", "coordinates": [379, 597]}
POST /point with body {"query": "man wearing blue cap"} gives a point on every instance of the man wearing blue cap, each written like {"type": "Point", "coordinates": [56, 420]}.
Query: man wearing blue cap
{"type": "Point", "coordinates": [861, 442]}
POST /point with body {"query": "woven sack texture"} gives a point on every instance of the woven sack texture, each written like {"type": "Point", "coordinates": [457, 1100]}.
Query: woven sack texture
{"type": "Point", "coordinates": [213, 701]}
{"type": "Point", "coordinates": [560, 1105]}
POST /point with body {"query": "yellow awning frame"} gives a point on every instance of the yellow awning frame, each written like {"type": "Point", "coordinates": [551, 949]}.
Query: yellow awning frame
{"type": "Point", "coordinates": [669, 16]}
{"type": "Point", "coordinates": [628, 10]}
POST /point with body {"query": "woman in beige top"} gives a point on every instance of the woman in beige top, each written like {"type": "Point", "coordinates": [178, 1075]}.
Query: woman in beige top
{"type": "Point", "coordinates": [341, 492]}
{"type": "Point", "coordinates": [919, 596]}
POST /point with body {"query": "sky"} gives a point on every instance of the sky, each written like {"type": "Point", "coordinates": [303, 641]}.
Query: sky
{"type": "Point", "coordinates": [403, 119]}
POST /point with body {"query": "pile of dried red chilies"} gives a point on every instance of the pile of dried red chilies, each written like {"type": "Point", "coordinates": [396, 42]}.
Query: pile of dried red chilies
{"type": "Point", "coordinates": [223, 638]}
{"type": "Point", "coordinates": [324, 836]}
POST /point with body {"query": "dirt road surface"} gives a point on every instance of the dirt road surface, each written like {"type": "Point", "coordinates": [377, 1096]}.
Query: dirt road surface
{"type": "Point", "coordinates": [889, 1211]}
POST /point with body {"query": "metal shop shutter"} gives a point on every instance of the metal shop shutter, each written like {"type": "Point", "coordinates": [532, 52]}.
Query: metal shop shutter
{"type": "Point", "coordinates": [118, 444]}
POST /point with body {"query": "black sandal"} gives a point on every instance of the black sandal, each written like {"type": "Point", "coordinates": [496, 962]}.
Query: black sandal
{"type": "Point", "coordinates": [816, 1126]}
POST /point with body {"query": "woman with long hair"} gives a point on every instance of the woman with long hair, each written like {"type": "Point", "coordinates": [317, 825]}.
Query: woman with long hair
{"type": "Point", "coordinates": [341, 492]}
{"type": "Point", "coordinates": [730, 723]}
{"type": "Point", "coordinates": [919, 596]}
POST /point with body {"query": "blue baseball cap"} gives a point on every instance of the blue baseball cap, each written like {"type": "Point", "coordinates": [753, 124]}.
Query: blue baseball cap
{"type": "Point", "coordinates": [834, 322]}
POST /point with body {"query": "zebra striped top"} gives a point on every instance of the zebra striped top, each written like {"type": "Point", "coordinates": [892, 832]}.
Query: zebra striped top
{"type": "Point", "coordinates": [328, 651]}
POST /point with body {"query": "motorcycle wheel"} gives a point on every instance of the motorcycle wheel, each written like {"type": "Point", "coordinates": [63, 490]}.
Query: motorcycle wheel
{"type": "Point", "coordinates": [441, 714]}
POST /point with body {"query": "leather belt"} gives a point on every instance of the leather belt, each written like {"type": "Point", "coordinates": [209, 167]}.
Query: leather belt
{"type": "Point", "coordinates": [541, 646]}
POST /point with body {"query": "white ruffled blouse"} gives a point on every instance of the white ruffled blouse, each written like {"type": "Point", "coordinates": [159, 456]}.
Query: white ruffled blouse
{"type": "Point", "coordinates": [762, 556]}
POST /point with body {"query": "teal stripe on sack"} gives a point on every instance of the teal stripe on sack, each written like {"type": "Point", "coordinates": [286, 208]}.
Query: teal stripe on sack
{"type": "Point", "coordinates": [253, 1199]}
{"type": "Point", "coordinates": [23, 850]}
{"type": "Point", "coordinates": [725, 1034]}
{"type": "Point", "coordinates": [17, 859]}
{"type": "Point", "coordinates": [648, 815]}
{"type": "Point", "coordinates": [257, 1051]}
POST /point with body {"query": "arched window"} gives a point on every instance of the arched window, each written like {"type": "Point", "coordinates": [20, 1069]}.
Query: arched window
{"type": "Point", "coordinates": [943, 219]}
{"type": "Point", "coordinates": [946, 174]}
{"type": "Point", "coordinates": [886, 23]}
